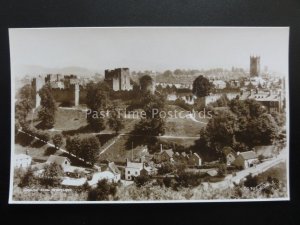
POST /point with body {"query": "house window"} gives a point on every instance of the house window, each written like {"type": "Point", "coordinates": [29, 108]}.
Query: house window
{"type": "Point", "coordinates": [136, 172]}
{"type": "Point", "coordinates": [66, 162]}
{"type": "Point", "coordinates": [128, 172]}
{"type": "Point", "coordinates": [129, 177]}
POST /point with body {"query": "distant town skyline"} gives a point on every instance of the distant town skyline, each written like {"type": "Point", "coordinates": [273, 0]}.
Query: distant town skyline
{"type": "Point", "coordinates": [158, 49]}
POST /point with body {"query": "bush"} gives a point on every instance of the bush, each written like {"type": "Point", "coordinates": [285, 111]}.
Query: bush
{"type": "Point", "coordinates": [52, 175]}
{"type": "Point", "coordinates": [141, 180]}
{"type": "Point", "coordinates": [222, 170]}
{"type": "Point", "coordinates": [250, 181]}
{"type": "Point", "coordinates": [167, 181]}
{"type": "Point", "coordinates": [188, 179]}
{"type": "Point", "coordinates": [103, 192]}
{"type": "Point", "coordinates": [28, 179]}
{"type": "Point", "coordinates": [57, 140]}
{"type": "Point", "coordinates": [43, 136]}
{"type": "Point", "coordinates": [166, 168]}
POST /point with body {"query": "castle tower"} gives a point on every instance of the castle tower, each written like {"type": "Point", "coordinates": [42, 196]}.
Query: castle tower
{"type": "Point", "coordinates": [36, 84]}
{"type": "Point", "coordinates": [254, 66]}
{"type": "Point", "coordinates": [118, 79]}
{"type": "Point", "coordinates": [76, 95]}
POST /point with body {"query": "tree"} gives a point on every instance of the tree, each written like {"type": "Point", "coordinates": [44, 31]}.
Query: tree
{"type": "Point", "coordinates": [153, 124]}
{"type": "Point", "coordinates": [255, 125]}
{"type": "Point", "coordinates": [166, 168]}
{"type": "Point", "coordinates": [141, 180]}
{"type": "Point", "coordinates": [223, 101]}
{"type": "Point", "coordinates": [57, 140]}
{"type": "Point", "coordinates": [168, 73]}
{"type": "Point", "coordinates": [89, 149]}
{"type": "Point", "coordinates": [103, 192]}
{"type": "Point", "coordinates": [218, 133]}
{"type": "Point", "coordinates": [116, 121]}
{"type": "Point", "coordinates": [251, 181]}
{"type": "Point", "coordinates": [221, 129]}
{"type": "Point", "coordinates": [41, 135]}
{"type": "Point", "coordinates": [167, 181]}
{"type": "Point", "coordinates": [201, 86]}
{"type": "Point", "coordinates": [146, 83]}
{"type": "Point", "coordinates": [259, 131]}
{"type": "Point", "coordinates": [24, 103]}
{"type": "Point", "coordinates": [222, 170]}
{"type": "Point", "coordinates": [188, 179]}
{"type": "Point", "coordinates": [48, 107]}
{"type": "Point", "coordinates": [73, 145]}
{"type": "Point", "coordinates": [28, 179]}
{"type": "Point", "coordinates": [52, 174]}
{"type": "Point", "coordinates": [97, 98]}
{"type": "Point", "coordinates": [178, 72]}
{"type": "Point", "coordinates": [150, 127]}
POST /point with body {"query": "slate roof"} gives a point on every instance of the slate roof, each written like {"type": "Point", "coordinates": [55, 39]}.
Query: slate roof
{"type": "Point", "coordinates": [134, 165]}
{"type": "Point", "coordinates": [227, 150]}
{"type": "Point", "coordinates": [248, 155]}
{"type": "Point", "coordinates": [169, 152]}
{"type": "Point", "coordinates": [59, 160]}
{"type": "Point", "coordinates": [113, 168]}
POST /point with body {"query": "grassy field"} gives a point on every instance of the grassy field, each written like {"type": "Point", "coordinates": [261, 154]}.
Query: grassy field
{"type": "Point", "coordinates": [73, 121]}
{"type": "Point", "coordinates": [183, 127]}
{"type": "Point", "coordinates": [119, 151]}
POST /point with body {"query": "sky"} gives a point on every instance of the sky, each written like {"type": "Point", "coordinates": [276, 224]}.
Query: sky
{"type": "Point", "coordinates": [153, 48]}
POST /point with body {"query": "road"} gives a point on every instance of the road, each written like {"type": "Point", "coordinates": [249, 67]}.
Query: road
{"type": "Point", "coordinates": [260, 168]}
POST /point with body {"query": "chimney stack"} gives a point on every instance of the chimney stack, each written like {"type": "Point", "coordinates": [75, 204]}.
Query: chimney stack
{"type": "Point", "coordinates": [161, 148]}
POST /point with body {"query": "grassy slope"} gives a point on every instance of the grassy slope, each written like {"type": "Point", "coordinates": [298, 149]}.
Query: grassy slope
{"type": "Point", "coordinates": [72, 120]}
{"type": "Point", "coordinates": [119, 152]}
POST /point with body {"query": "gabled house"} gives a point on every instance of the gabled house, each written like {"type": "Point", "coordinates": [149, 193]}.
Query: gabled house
{"type": "Point", "coordinates": [229, 155]}
{"type": "Point", "coordinates": [194, 159]}
{"type": "Point", "coordinates": [64, 162]}
{"type": "Point", "coordinates": [111, 167]}
{"type": "Point", "coordinates": [246, 159]}
{"type": "Point", "coordinates": [148, 170]}
{"type": "Point", "coordinates": [163, 156]}
{"type": "Point", "coordinates": [132, 169]}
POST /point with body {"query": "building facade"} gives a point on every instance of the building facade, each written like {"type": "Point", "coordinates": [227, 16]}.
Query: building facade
{"type": "Point", "coordinates": [22, 161]}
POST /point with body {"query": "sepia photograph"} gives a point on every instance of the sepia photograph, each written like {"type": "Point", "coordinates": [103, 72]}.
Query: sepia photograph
{"type": "Point", "coordinates": [149, 114]}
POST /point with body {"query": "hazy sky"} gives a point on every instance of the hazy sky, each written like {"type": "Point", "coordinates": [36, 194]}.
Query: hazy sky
{"type": "Point", "coordinates": [149, 48]}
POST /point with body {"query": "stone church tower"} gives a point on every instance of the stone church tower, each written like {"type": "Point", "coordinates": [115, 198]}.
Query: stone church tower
{"type": "Point", "coordinates": [254, 66]}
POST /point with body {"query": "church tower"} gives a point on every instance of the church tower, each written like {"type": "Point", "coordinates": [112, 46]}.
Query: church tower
{"type": "Point", "coordinates": [254, 66]}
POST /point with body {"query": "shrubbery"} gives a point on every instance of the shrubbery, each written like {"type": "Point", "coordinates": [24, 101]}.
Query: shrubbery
{"type": "Point", "coordinates": [86, 148]}
{"type": "Point", "coordinates": [43, 135]}
{"type": "Point", "coordinates": [188, 179]}
{"type": "Point", "coordinates": [141, 180]}
{"type": "Point", "coordinates": [103, 192]}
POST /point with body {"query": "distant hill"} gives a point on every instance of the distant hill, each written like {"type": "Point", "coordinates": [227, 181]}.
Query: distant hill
{"type": "Point", "coordinates": [33, 70]}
